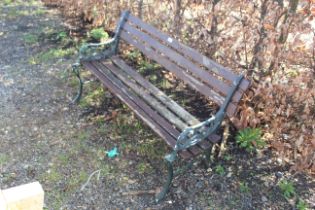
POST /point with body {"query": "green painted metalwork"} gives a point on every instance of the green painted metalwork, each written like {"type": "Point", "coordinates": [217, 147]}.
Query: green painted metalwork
{"type": "Point", "coordinates": [168, 182]}
{"type": "Point", "coordinates": [190, 136]}
{"type": "Point", "coordinates": [97, 51]}
{"type": "Point", "coordinates": [195, 134]}
{"type": "Point", "coordinates": [76, 72]}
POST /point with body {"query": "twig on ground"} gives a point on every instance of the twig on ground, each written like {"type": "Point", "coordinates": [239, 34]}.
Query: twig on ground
{"type": "Point", "coordinates": [88, 181]}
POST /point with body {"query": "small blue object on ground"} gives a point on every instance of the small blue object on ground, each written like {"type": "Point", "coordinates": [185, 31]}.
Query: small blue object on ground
{"type": "Point", "coordinates": [112, 153]}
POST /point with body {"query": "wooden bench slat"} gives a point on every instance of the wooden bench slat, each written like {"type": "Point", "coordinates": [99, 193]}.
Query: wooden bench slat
{"type": "Point", "coordinates": [191, 120]}
{"type": "Point", "coordinates": [194, 54]}
{"type": "Point", "coordinates": [195, 149]}
{"type": "Point", "coordinates": [165, 130]}
{"type": "Point", "coordinates": [172, 105]}
{"type": "Point", "coordinates": [201, 74]}
{"type": "Point", "coordinates": [142, 110]}
{"type": "Point", "coordinates": [187, 51]}
{"type": "Point", "coordinates": [179, 59]}
{"type": "Point", "coordinates": [141, 92]}
{"type": "Point", "coordinates": [214, 138]}
{"type": "Point", "coordinates": [195, 84]}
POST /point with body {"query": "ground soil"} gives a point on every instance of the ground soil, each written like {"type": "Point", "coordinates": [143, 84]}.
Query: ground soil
{"type": "Point", "coordinates": [43, 138]}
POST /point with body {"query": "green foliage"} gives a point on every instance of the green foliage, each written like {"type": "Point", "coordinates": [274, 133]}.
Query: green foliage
{"type": "Point", "coordinates": [143, 168]}
{"type": "Point", "coordinates": [250, 139]}
{"type": "Point", "coordinates": [227, 157]}
{"type": "Point", "coordinates": [147, 66]}
{"type": "Point", "coordinates": [76, 180]}
{"type": "Point", "coordinates": [7, 2]}
{"type": "Point", "coordinates": [302, 205]}
{"type": "Point", "coordinates": [99, 34]}
{"type": "Point", "coordinates": [62, 35]}
{"type": "Point", "coordinates": [83, 135]}
{"type": "Point", "coordinates": [134, 55]}
{"type": "Point", "coordinates": [151, 148]}
{"type": "Point", "coordinates": [53, 54]}
{"type": "Point", "coordinates": [30, 39]}
{"type": "Point", "coordinates": [219, 169]}
{"type": "Point", "coordinates": [93, 98]}
{"type": "Point", "coordinates": [3, 159]}
{"type": "Point", "coordinates": [287, 188]}
{"type": "Point", "coordinates": [244, 187]}
{"type": "Point", "coordinates": [52, 175]}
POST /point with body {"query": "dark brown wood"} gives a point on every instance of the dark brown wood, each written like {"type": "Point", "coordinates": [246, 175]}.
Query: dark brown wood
{"type": "Point", "coordinates": [157, 110]}
{"type": "Point", "coordinates": [172, 105]}
{"type": "Point", "coordinates": [144, 112]}
{"type": "Point", "coordinates": [174, 56]}
{"type": "Point", "coordinates": [195, 71]}
{"type": "Point", "coordinates": [192, 54]}
{"type": "Point", "coordinates": [187, 51]}
{"type": "Point", "coordinates": [180, 73]}
{"type": "Point", "coordinates": [145, 95]}
{"type": "Point", "coordinates": [189, 118]}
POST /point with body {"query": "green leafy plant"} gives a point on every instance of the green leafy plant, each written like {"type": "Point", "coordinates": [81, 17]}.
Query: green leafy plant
{"type": "Point", "coordinates": [146, 66]}
{"type": "Point", "coordinates": [53, 54]}
{"type": "Point", "coordinates": [99, 34]}
{"type": "Point", "coordinates": [301, 205]}
{"type": "Point", "coordinates": [287, 188]}
{"type": "Point", "coordinates": [219, 169]}
{"type": "Point", "coordinates": [7, 2]}
{"type": "Point", "coordinates": [250, 139]}
{"type": "Point", "coordinates": [133, 55]}
{"type": "Point", "coordinates": [62, 35]}
{"type": "Point", "coordinates": [227, 157]}
{"type": "Point", "coordinates": [244, 187]}
{"type": "Point", "coordinates": [30, 39]}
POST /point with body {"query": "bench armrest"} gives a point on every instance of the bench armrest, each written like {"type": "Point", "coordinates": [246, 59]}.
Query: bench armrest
{"type": "Point", "coordinates": [96, 51]}
{"type": "Point", "coordinates": [197, 133]}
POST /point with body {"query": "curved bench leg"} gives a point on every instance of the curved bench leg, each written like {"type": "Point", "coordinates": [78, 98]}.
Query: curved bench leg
{"type": "Point", "coordinates": [76, 71]}
{"type": "Point", "coordinates": [169, 159]}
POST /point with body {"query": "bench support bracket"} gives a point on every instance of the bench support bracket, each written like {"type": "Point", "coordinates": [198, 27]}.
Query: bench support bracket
{"type": "Point", "coordinates": [97, 51]}
{"type": "Point", "coordinates": [195, 134]}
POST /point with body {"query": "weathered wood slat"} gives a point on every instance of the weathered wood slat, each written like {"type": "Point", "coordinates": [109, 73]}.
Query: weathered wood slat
{"type": "Point", "coordinates": [194, 83]}
{"type": "Point", "coordinates": [201, 74]}
{"type": "Point", "coordinates": [193, 54]}
{"type": "Point", "coordinates": [142, 110]}
{"type": "Point", "coordinates": [153, 102]}
{"type": "Point", "coordinates": [191, 120]}
{"type": "Point", "coordinates": [187, 51]}
{"type": "Point", "coordinates": [131, 72]}
{"type": "Point", "coordinates": [165, 130]}
{"type": "Point", "coordinates": [172, 105]}
{"type": "Point", "coordinates": [145, 112]}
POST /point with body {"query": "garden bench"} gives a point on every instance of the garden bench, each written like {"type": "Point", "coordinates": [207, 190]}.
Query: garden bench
{"type": "Point", "coordinates": [183, 132]}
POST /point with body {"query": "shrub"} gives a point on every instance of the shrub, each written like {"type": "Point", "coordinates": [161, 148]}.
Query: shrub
{"type": "Point", "coordinates": [287, 188]}
{"type": "Point", "coordinates": [99, 34]}
{"type": "Point", "coordinates": [250, 139]}
{"type": "Point", "coordinates": [301, 205]}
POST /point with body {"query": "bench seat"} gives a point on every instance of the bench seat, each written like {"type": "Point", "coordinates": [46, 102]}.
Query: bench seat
{"type": "Point", "coordinates": [183, 132]}
{"type": "Point", "coordinates": [162, 114]}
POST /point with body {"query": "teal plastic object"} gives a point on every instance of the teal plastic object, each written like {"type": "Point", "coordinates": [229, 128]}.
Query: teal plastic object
{"type": "Point", "coordinates": [112, 153]}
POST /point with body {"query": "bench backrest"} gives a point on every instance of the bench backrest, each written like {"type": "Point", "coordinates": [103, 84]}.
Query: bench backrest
{"type": "Point", "coordinates": [199, 72]}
